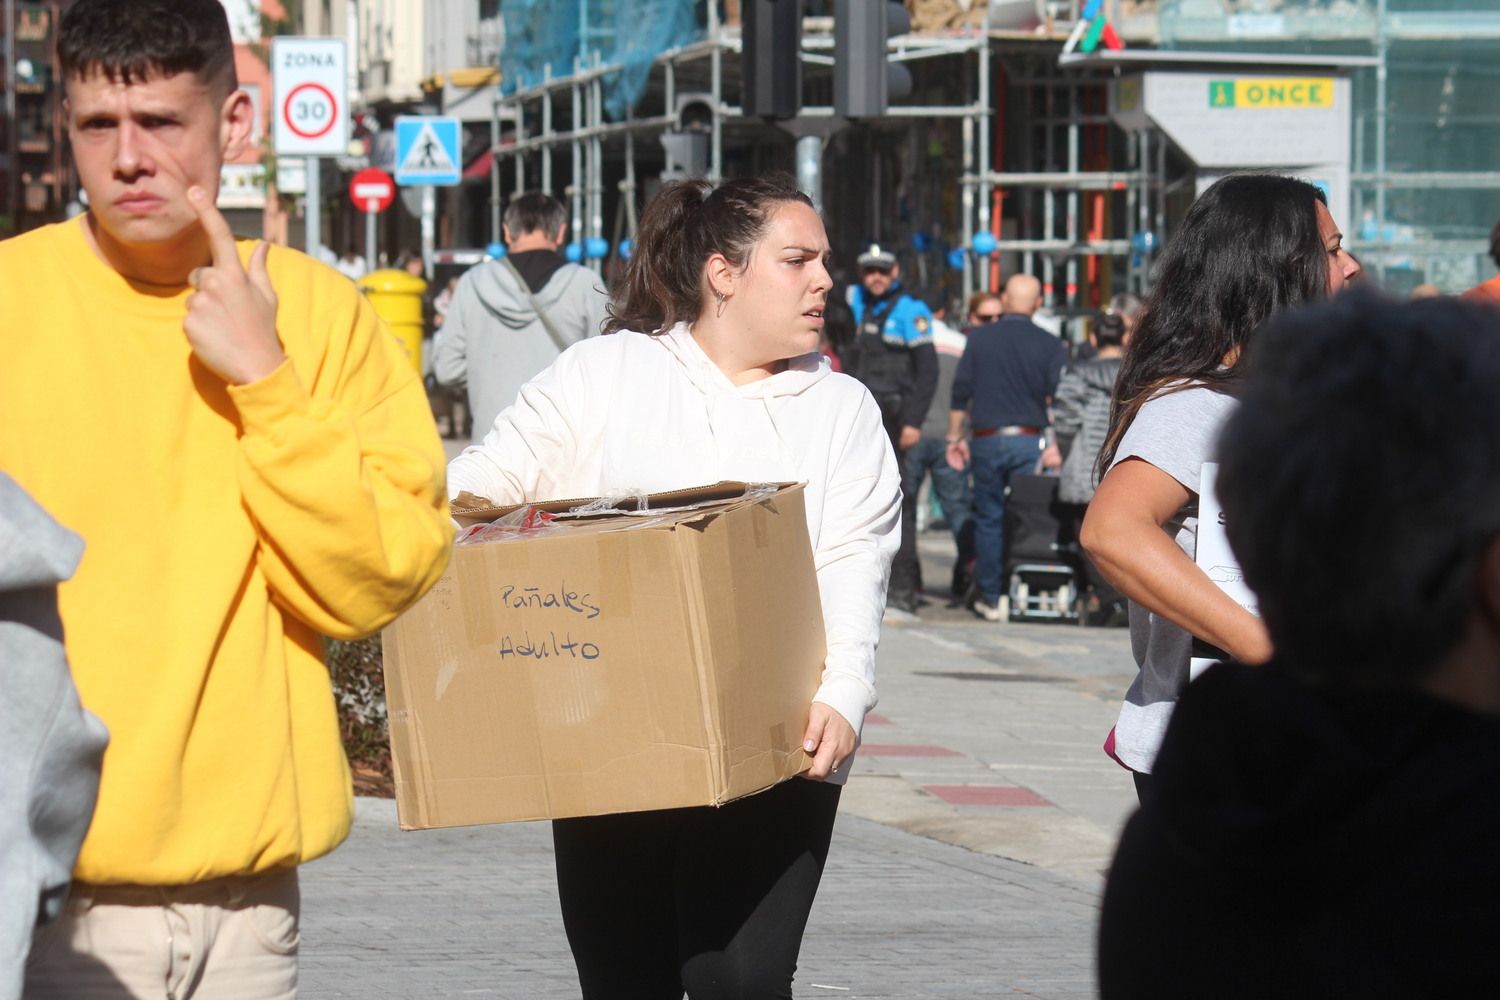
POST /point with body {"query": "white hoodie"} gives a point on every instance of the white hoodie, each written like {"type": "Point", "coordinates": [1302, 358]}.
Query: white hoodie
{"type": "Point", "coordinates": [631, 411]}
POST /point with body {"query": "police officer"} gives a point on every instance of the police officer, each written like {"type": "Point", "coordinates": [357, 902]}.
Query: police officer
{"type": "Point", "coordinates": [893, 355]}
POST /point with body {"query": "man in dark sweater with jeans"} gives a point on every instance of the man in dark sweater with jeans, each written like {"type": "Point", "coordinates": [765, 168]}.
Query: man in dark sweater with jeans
{"type": "Point", "coordinates": [1004, 384]}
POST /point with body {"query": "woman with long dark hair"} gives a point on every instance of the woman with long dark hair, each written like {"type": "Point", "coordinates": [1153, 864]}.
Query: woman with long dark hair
{"type": "Point", "coordinates": [1251, 246]}
{"type": "Point", "coordinates": [712, 373]}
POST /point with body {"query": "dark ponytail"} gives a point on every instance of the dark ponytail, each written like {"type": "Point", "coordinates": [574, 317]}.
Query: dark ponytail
{"type": "Point", "coordinates": [684, 225]}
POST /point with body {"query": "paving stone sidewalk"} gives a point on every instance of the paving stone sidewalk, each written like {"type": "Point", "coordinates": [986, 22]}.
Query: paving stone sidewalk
{"type": "Point", "coordinates": [984, 755]}
{"type": "Point", "coordinates": [473, 913]}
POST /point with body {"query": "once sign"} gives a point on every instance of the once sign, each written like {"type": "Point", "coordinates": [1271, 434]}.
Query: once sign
{"type": "Point", "coordinates": [310, 84]}
{"type": "Point", "coordinates": [372, 191]}
{"type": "Point", "coordinates": [1255, 92]}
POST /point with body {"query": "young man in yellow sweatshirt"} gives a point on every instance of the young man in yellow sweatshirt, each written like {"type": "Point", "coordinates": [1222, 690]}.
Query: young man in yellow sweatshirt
{"type": "Point", "coordinates": [252, 465]}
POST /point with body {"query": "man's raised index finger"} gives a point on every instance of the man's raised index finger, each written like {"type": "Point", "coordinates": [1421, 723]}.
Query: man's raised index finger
{"type": "Point", "coordinates": [220, 239]}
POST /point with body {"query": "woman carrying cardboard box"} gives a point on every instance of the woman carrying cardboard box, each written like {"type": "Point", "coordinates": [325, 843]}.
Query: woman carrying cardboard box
{"type": "Point", "coordinates": [712, 373]}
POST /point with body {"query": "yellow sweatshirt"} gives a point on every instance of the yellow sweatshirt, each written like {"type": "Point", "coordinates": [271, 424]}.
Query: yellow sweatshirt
{"type": "Point", "coordinates": [225, 529]}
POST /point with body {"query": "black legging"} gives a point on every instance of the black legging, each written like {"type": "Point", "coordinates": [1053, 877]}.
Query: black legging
{"type": "Point", "coordinates": [711, 901]}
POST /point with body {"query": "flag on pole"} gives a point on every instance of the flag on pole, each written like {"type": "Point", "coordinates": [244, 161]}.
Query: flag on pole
{"type": "Point", "coordinates": [1092, 28]}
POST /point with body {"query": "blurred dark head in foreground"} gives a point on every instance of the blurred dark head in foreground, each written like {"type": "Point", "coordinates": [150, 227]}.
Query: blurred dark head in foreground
{"type": "Point", "coordinates": [1324, 825]}
{"type": "Point", "coordinates": [1361, 485]}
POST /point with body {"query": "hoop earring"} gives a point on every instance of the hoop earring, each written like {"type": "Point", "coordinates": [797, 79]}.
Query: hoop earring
{"type": "Point", "coordinates": [723, 301]}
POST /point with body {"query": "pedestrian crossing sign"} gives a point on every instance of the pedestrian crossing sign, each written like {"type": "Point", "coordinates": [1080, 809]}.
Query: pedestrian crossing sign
{"type": "Point", "coordinates": [427, 150]}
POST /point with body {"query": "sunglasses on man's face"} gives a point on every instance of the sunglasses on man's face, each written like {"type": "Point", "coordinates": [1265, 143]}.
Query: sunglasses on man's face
{"type": "Point", "coordinates": [874, 269]}
{"type": "Point", "coordinates": [986, 317]}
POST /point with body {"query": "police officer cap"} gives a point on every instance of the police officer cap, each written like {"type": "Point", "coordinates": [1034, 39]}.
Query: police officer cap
{"type": "Point", "coordinates": [876, 255]}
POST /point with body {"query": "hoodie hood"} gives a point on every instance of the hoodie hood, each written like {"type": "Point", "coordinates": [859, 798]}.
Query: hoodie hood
{"type": "Point", "coordinates": [537, 266]}
{"type": "Point", "coordinates": [509, 300]}
{"type": "Point", "coordinates": [755, 438]}
{"type": "Point", "coordinates": [1099, 373]}
{"type": "Point", "coordinates": [1287, 792]}
{"type": "Point", "coordinates": [801, 372]}
{"type": "Point", "coordinates": [35, 551]}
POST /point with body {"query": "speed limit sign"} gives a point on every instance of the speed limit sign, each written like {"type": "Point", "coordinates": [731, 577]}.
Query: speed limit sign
{"type": "Point", "coordinates": [312, 111]}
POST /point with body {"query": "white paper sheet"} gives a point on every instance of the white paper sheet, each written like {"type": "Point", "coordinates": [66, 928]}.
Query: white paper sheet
{"type": "Point", "coordinates": [1215, 558]}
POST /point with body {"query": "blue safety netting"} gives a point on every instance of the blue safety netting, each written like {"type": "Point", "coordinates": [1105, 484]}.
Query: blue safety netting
{"type": "Point", "coordinates": [564, 33]}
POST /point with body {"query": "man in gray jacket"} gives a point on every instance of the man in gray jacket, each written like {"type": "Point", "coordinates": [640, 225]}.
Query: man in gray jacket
{"type": "Point", "coordinates": [510, 318]}
{"type": "Point", "coordinates": [50, 747]}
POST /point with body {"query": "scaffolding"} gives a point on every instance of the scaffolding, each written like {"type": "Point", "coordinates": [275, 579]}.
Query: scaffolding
{"type": "Point", "coordinates": [1066, 193]}
{"type": "Point", "coordinates": [1426, 134]}
{"type": "Point", "coordinates": [1087, 179]}
{"type": "Point", "coordinates": [560, 125]}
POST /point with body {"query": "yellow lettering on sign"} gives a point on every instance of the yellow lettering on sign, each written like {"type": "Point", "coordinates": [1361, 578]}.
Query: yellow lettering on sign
{"type": "Point", "coordinates": [1266, 93]}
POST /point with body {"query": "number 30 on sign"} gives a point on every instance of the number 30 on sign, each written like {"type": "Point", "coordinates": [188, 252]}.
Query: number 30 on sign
{"type": "Point", "coordinates": [309, 82]}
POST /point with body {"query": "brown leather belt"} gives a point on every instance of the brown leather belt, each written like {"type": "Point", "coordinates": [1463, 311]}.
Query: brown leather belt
{"type": "Point", "coordinates": [1010, 430]}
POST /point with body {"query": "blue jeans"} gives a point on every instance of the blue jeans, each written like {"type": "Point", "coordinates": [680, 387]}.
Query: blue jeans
{"type": "Point", "coordinates": [951, 486]}
{"type": "Point", "coordinates": [994, 460]}
{"type": "Point", "coordinates": [930, 456]}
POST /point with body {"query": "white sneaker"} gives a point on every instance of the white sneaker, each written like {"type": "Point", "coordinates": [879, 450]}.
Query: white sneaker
{"type": "Point", "coordinates": [990, 612]}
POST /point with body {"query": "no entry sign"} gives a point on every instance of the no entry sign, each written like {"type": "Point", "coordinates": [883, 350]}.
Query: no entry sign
{"type": "Point", "coordinates": [312, 112]}
{"type": "Point", "coordinates": [372, 190]}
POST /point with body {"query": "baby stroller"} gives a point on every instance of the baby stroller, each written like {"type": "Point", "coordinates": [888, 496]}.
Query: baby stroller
{"type": "Point", "coordinates": [1043, 564]}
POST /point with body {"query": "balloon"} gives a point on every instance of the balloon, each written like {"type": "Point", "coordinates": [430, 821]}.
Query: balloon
{"type": "Point", "coordinates": [624, 249]}
{"type": "Point", "coordinates": [573, 252]}
{"type": "Point", "coordinates": [956, 258]}
{"type": "Point", "coordinates": [596, 247]}
{"type": "Point", "coordinates": [984, 243]}
{"type": "Point", "coordinates": [495, 251]}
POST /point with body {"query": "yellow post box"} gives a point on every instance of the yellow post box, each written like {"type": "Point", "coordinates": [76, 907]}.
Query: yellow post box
{"type": "Point", "coordinates": [397, 298]}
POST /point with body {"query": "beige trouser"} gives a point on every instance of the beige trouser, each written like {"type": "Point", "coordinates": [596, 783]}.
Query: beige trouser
{"type": "Point", "coordinates": [226, 939]}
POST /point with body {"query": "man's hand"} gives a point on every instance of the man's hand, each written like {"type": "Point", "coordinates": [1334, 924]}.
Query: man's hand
{"type": "Point", "coordinates": [231, 315]}
{"type": "Point", "coordinates": [958, 454]}
{"type": "Point", "coordinates": [1052, 458]}
{"type": "Point", "coordinates": [909, 437]}
{"type": "Point", "coordinates": [830, 739]}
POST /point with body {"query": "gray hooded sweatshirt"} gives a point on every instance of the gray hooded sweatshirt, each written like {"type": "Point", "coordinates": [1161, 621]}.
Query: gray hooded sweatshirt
{"type": "Point", "coordinates": [492, 338]}
{"type": "Point", "coordinates": [50, 748]}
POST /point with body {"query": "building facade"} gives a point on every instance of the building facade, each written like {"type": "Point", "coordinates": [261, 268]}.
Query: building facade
{"type": "Point", "coordinates": [36, 180]}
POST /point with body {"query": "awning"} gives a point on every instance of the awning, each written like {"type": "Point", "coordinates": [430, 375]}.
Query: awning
{"type": "Point", "coordinates": [479, 168]}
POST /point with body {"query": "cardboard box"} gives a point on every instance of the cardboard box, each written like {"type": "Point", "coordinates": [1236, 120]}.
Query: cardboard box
{"type": "Point", "coordinates": [612, 663]}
